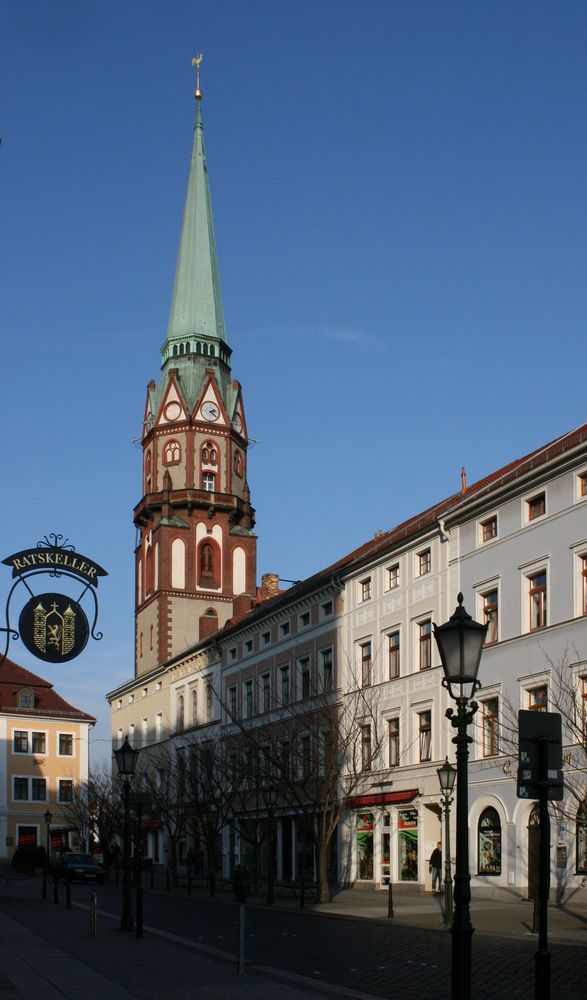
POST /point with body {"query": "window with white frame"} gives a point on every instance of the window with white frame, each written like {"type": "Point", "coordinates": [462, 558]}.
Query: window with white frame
{"type": "Point", "coordinates": [393, 576]}
{"type": "Point", "coordinates": [582, 485]}
{"type": "Point", "coordinates": [366, 747]}
{"type": "Point", "coordinates": [27, 741]}
{"type": "Point", "coordinates": [538, 698]}
{"type": "Point", "coordinates": [393, 649]}
{"type": "Point", "coordinates": [326, 672]}
{"type": "Point", "coordinates": [366, 663]}
{"type": "Point", "coordinates": [488, 528]}
{"type": "Point", "coordinates": [490, 612]}
{"type": "Point", "coordinates": [27, 789]}
{"type": "Point", "coordinates": [284, 684]}
{"type": "Point", "coordinates": [425, 643]}
{"type": "Point", "coordinates": [425, 735]}
{"type": "Point", "coordinates": [232, 703]}
{"type": "Point", "coordinates": [65, 790]}
{"type": "Point", "coordinates": [20, 741]}
{"type": "Point", "coordinates": [266, 692]}
{"type": "Point", "coordinates": [394, 749]}
{"type": "Point", "coordinates": [424, 562]}
{"type": "Point", "coordinates": [583, 584]}
{"type": "Point", "coordinates": [536, 506]}
{"type": "Point", "coordinates": [537, 596]}
{"type": "Point", "coordinates": [20, 788]}
{"type": "Point", "coordinates": [490, 723]}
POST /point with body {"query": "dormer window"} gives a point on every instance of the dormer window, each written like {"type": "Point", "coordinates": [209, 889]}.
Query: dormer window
{"type": "Point", "coordinates": [26, 699]}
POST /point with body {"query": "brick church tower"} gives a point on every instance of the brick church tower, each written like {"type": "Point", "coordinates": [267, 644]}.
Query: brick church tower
{"type": "Point", "coordinates": [196, 554]}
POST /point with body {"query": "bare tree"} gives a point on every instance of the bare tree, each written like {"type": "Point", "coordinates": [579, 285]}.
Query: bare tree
{"type": "Point", "coordinates": [164, 775]}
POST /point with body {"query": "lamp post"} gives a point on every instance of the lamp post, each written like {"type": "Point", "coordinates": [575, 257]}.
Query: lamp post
{"type": "Point", "coordinates": [460, 644]}
{"type": "Point", "coordinates": [446, 777]}
{"type": "Point", "coordinates": [48, 817]}
{"type": "Point", "coordinates": [126, 760]}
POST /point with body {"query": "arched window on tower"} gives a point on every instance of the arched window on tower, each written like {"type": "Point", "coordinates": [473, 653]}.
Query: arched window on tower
{"type": "Point", "coordinates": [212, 351]}
{"type": "Point", "coordinates": [238, 464]}
{"type": "Point", "coordinates": [209, 454]}
{"type": "Point", "coordinates": [209, 564]}
{"type": "Point", "coordinates": [148, 472]}
{"type": "Point", "coordinates": [149, 571]}
{"type": "Point", "coordinates": [489, 842]}
{"type": "Point", "coordinates": [171, 453]}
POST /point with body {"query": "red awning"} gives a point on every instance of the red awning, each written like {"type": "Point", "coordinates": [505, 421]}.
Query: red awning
{"type": "Point", "coordinates": [383, 798]}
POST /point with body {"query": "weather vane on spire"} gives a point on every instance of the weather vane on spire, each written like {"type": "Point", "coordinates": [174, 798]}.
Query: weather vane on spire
{"type": "Point", "coordinates": [196, 63]}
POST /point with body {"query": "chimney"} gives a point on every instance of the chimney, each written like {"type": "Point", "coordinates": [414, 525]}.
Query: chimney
{"type": "Point", "coordinates": [463, 480]}
{"type": "Point", "coordinates": [269, 586]}
{"type": "Point", "coordinates": [241, 605]}
{"type": "Point", "coordinates": [208, 624]}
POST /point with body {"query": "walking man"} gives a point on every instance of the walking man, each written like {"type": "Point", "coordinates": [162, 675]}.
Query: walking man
{"type": "Point", "coordinates": [435, 866]}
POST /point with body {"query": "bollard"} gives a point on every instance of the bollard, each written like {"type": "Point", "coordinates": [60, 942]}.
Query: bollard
{"type": "Point", "coordinates": [302, 894]}
{"type": "Point", "coordinates": [241, 939]}
{"type": "Point", "coordinates": [93, 915]}
{"type": "Point", "coordinates": [389, 899]}
{"type": "Point", "coordinates": [68, 893]}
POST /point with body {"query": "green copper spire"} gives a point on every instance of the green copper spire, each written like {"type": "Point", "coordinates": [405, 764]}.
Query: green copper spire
{"type": "Point", "coordinates": [196, 306]}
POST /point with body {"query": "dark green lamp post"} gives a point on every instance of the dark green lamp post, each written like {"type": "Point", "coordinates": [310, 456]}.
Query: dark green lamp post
{"type": "Point", "coordinates": [126, 760]}
{"type": "Point", "coordinates": [460, 644]}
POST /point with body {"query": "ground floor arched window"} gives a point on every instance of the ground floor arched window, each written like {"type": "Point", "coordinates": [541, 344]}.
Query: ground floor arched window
{"type": "Point", "coordinates": [489, 842]}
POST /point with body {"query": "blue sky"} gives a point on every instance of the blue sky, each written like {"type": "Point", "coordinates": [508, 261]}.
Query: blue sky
{"type": "Point", "coordinates": [399, 201]}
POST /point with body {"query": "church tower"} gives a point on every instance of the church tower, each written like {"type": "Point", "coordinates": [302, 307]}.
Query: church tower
{"type": "Point", "coordinates": [196, 552]}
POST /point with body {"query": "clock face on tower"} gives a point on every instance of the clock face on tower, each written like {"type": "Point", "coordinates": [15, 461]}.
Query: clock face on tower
{"type": "Point", "coordinates": [210, 411]}
{"type": "Point", "coordinates": [172, 410]}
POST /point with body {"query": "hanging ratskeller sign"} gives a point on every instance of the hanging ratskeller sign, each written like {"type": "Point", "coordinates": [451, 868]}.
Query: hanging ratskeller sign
{"type": "Point", "coordinates": [53, 625]}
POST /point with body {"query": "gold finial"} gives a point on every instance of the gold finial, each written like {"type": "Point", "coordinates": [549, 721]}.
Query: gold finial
{"type": "Point", "coordinates": [196, 63]}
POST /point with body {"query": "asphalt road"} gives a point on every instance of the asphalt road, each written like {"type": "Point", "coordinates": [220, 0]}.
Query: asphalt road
{"type": "Point", "coordinates": [373, 957]}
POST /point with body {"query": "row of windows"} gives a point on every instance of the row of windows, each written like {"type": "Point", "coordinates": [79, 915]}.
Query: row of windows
{"type": "Point", "coordinates": [27, 789]}
{"type": "Point", "coordinates": [424, 646]}
{"type": "Point", "coordinates": [422, 566]}
{"type": "Point", "coordinates": [304, 683]}
{"type": "Point", "coordinates": [172, 454]}
{"type": "Point", "coordinates": [264, 638]}
{"type": "Point", "coordinates": [534, 507]}
{"type": "Point", "coordinates": [25, 741]}
{"type": "Point", "coordinates": [199, 347]}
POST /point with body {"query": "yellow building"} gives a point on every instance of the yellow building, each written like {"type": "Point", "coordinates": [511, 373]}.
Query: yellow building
{"type": "Point", "coordinates": [44, 759]}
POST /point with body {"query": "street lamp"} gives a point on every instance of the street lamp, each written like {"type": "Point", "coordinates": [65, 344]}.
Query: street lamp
{"type": "Point", "coordinates": [48, 817]}
{"type": "Point", "coordinates": [460, 644]}
{"type": "Point", "coordinates": [126, 760]}
{"type": "Point", "coordinates": [446, 777]}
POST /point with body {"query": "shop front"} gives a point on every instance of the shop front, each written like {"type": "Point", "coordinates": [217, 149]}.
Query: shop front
{"type": "Point", "coordinates": [386, 828]}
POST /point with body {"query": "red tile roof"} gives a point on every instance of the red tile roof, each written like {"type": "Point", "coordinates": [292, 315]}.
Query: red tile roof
{"type": "Point", "coordinates": [47, 702]}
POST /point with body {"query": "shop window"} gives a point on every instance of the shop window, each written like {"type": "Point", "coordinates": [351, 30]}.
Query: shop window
{"type": "Point", "coordinates": [425, 735]}
{"type": "Point", "coordinates": [490, 614]}
{"type": "Point", "coordinates": [490, 720]}
{"type": "Point", "coordinates": [407, 822]}
{"type": "Point", "coordinates": [425, 644]}
{"type": "Point", "coordinates": [366, 664]}
{"type": "Point", "coordinates": [581, 834]}
{"type": "Point", "coordinates": [171, 453]}
{"type": "Point", "coordinates": [489, 843]}
{"type": "Point", "coordinates": [393, 726]}
{"type": "Point", "coordinates": [394, 654]}
{"type": "Point", "coordinates": [537, 597]}
{"type": "Point", "coordinates": [364, 837]}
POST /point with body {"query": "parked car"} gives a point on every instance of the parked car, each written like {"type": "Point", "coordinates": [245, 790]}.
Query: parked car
{"type": "Point", "coordinates": [79, 868]}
